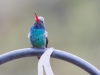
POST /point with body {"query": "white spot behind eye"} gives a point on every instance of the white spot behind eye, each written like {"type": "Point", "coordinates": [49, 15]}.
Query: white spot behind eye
{"type": "Point", "coordinates": [41, 18]}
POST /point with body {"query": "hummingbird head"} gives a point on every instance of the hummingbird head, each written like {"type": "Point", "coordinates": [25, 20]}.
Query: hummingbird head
{"type": "Point", "coordinates": [39, 18]}
{"type": "Point", "coordinates": [39, 22]}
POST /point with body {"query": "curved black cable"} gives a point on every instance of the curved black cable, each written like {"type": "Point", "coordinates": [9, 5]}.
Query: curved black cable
{"type": "Point", "coordinates": [27, 52]}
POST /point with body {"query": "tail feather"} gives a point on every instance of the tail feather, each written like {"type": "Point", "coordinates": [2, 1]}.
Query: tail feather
{"type": "Point", "coordinates": [38, 58]}
{"type": "Point", "coordinates": [46, 42]}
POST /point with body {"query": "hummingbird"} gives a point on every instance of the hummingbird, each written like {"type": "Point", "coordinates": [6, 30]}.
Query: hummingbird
{"type": "Point", "coordinates": [38, 35]}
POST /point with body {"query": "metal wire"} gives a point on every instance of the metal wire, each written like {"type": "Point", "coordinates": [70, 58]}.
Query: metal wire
{"type": "Point", "coordinates": [27, 52]}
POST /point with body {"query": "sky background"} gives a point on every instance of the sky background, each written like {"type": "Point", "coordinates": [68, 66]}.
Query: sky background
{"type": "Point", "coordinates": [73, 26]}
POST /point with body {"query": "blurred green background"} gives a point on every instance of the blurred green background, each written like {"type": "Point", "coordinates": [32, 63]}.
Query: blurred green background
{"type": "Point", "coordinates": [73, 26]}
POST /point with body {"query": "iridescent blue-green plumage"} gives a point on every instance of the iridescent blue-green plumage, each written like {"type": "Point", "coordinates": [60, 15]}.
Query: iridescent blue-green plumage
{"type": "Point", "coordinates": [37, 35]}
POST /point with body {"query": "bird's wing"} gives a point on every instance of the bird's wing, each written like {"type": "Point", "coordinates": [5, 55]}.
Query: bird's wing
{"type": "Point", "coordinates": [46, 34]}
{"type": "Point", "coordinates": [29, 35]}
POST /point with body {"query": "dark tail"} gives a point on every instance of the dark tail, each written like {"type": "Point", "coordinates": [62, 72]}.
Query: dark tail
{"type": "Point", "coordinates": [46, 42]}
{"type": "Point", "coordinates": [38, 58]}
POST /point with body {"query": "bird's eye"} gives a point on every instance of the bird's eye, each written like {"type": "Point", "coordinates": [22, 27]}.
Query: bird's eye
{"type": "Point", "coordinates": [42, 21]}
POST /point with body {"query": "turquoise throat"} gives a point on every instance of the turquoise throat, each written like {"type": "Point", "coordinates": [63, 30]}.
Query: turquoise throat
{"type": "Point", "coordinates": [37, 37]}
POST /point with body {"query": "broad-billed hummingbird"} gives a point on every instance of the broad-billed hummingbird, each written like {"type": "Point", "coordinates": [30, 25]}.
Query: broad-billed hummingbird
{"type": "Point", "coordinates": [38, 35]}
